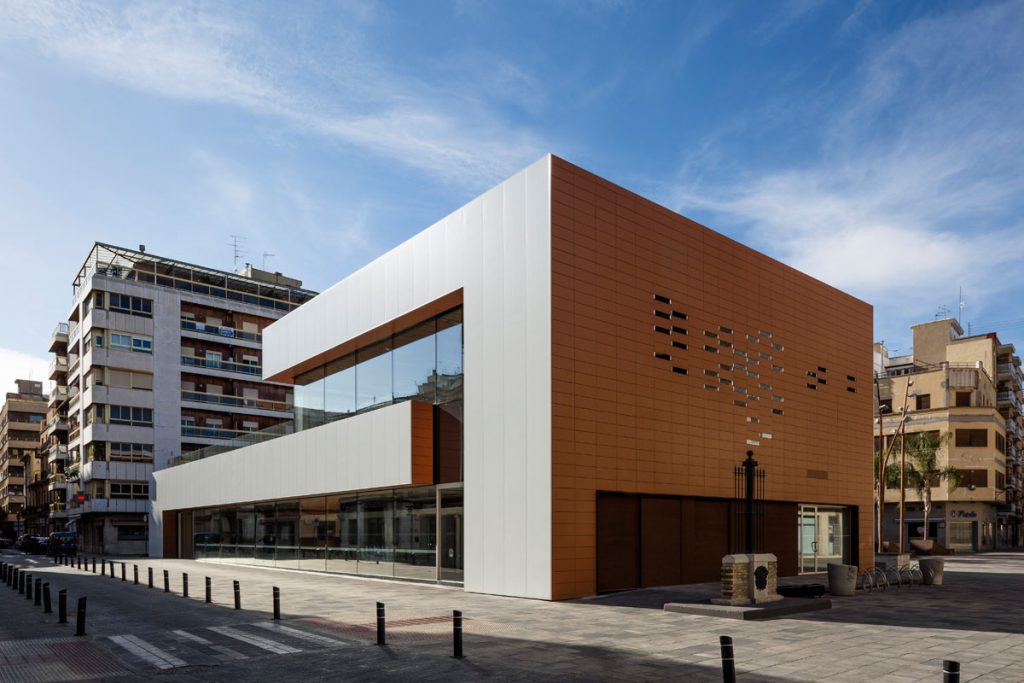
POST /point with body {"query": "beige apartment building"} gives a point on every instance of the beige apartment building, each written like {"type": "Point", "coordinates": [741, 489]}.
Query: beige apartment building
{"type": "Point", "coordinates": [969, 387]}
{"type": "Point", "coordinates": [21, 419]}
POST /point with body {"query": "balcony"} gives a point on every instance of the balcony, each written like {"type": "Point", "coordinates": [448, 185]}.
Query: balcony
{"type": "Point", "coordinates": [213, 432]}
{"type": "Point", "coordinates": [220, 331]}
{"type": "Point", "coordinates": [57, 423]}
{"type": "Point", "coordinates": [222, 365]}
{"type": "Point", "coordinates": [98, 470]}
{"type": "Point", "coordinates": [108, 505]}
{"type": "Point", "coordinates": [58, 366]}
{"type": "Point", "coordinates": [58, 511]}
{"type": "Point", "coordinates": [236, 401]}
{"type": "Point", "coordinates": [59, 338]}
{"type": "Point", "coordinates": [58, 394]}
{"type": "Point", "coordinates": [1008, 398]}
{"type": "Point", "coordinates": [58, 452]}
{"type": "Point", "coordinates": [57, 482]}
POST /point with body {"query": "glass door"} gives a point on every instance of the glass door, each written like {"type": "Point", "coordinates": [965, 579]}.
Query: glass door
{"type": "Point", "coordinates": [450, 531]}
{"type": "Point", "coordinates": [807, 539]}
{"type": "Point", "coordinates": [821, 537]}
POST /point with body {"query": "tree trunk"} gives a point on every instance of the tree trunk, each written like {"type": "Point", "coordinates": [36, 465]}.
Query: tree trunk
{"type": "Point", "coordinates": [927, 509]}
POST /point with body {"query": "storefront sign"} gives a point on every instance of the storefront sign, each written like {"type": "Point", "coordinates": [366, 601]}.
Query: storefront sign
{"type": "Point", "coordinates": [963, 514]}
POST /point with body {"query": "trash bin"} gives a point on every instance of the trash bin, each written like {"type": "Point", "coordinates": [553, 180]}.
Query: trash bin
{"type": "Point", "coordinates": [931, 570]}
{"type": "Point", "coordinates": [842, 579]}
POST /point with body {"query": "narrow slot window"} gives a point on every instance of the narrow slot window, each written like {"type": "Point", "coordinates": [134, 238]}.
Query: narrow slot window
{"type": "Point", "coordinates": [752, 338]}
{"type": "Point", "coordinates": [754, 420]}
{"type": "Point", "coordinates": [812, 386]}
{"type": "Point", "coordinates": [851, 378]}
{"type": "Point", "coordinates": [712, 335]}
{"type": "Point", "coordinates": [812, 373]}
{"type": "Point", "coordinates": [739, 390]}
{"type": "Point", "coordinates": [778, 399]}
{"type": "Point", "coordinates": [711, 373]}
{"type": "Point", "coordinates": [753, 375]}
{"type": "Point", "coordinates": [679, 370]}
{"type": "Point", "coordinates": [726, 344]}
{"type": "Point", "coordinates": [740, 352]}
{"type": "Point", "coordinates": [679, 330]}
{"type": "Point", "coordinates": [778, 411]}
{"type": "Point", "coordinates": [663, 299]}
{"type": "Point", "coordinates": [710, 349]}
{"type": "Point", "coordinates": [821, 369]}
{"type": "Point", "coordinates": [766, 435]}
{"type": "Point", "coordinates": [661, 330]}
{"type": "Point", "coordinates": [662, 314]}
{"type": "Point", "coordinates": [725, 380]}
{"type": "Point", "coordinates": [725, 367]}
{"type": "Point", "coordinates": [710, 387]}
{"type": "Point", "coordinates": [725, 330]}
{"type": "Point", "coordinates": [765, 333]}
{"type": "Point", "coordinates": [778, 347]}
{"type": "Point", "coordinates": [741, 404]}
{"type": "Point", "coordinates": [765, 356]}
{"type": "Point", "coordinates": [662, 356]}
{"type": "Point", "coordinates": [822, 380]}
{"type": "Point", "coordinates": [852, 390]}
{"type": "Point", "coordinates": [778, 368]}
{"type": "Point", "coordinates": [766, 387]}
{"type": "Point", "coordinates": [751, 442]}
{"type": "Point", "coordinates": [679, 345]}
{"type": "Point", "coordinates": [680, 315]}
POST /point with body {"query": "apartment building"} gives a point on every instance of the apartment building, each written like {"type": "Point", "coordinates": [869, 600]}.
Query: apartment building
{"type": "Point", "coordinates": [545, 395]}
{"type": "Point", "coordinates": [967, 386]}
{"type": "Point", "coordinates": [53, 445]}
{"type": "Point", "coordinates": [21, 419]}
{"type": "Point", "coordinates": [162, 358]}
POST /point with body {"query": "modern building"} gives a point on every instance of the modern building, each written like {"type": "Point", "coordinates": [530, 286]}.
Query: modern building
{"type": "Point", "coordinates": [545, 394]}
{"type": "Point", "coordinates": [159, 358]}
{"type": "Point", "coordinates": [21, 420]}
{"type": "Point", "coordinates": [968, 387]}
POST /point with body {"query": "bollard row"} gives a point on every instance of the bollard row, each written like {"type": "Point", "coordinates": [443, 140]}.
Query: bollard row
{"type": "Point", "coordinates": [38, 591]}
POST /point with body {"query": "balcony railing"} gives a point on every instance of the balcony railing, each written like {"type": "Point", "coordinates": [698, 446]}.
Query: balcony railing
{"type": "Point", "coordinates": [218, 364]}
{"type": "Point", "coordinates": [206, 432]}
{"type": "Point", "coordinates": [220, 330]}
{"type": "Point", "coordinates": [235, 401]}
{"type": "Point", "coordinates": [58, 393]}
{"type": "Point", "coordinates": [58, 364]}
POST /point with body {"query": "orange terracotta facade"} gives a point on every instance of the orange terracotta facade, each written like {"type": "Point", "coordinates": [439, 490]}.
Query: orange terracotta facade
{"type": "Point", "coordinates": [625, 420]}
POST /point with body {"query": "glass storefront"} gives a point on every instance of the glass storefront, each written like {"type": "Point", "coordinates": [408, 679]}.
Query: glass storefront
{"type": "Point", "coordinates": [823, 537]}
{"type": "Point", "coordinates": [393, 533]}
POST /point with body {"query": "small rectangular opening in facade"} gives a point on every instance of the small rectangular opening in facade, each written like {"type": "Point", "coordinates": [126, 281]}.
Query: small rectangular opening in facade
{"type": "Point", "coordinates": [680, 315]}
{"type": "Point", "coordinates": [679, 370]}
{"type": "Point", "coordinates": [710, 349]}
{"type": "Point", "coordinates": [679, 330]}
{"type": "Point", "coordinates": [812, 386]}
{"type": "Point", "coordinates": [662, 314]}
{"type": "Point", "coordinates": [679, 345]}
{"type": "Point", "coordinates": [778, 411]}
{"type": "Point", "coordinates": [662, 356]}
{"type": "Point", "coordinates": [661, 330]}
{"type": "Point", "coordinates": [662, 299]}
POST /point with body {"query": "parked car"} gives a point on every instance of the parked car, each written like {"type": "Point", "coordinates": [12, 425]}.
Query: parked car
{"type": "Point", "coordinates": [27, 543]}
{"type": "Point", "coordinates": [42, 542]}
{"type": "Point", "coordinates": [65, 542]}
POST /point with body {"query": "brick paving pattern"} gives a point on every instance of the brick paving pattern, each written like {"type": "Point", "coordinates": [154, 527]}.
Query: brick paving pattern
{"type": "Point", "coordinates": [328, 631]}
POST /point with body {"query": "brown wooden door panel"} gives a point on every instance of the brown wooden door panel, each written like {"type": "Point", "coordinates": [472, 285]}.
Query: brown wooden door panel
{"type": "Point", "coordinates": [706, 533]}
{"type": "Point", "coordinates": [618, 542]}
{"type": "Point", "coordinates": [780, 535]}
{"type": "Point", "coordinates": [660, 541]}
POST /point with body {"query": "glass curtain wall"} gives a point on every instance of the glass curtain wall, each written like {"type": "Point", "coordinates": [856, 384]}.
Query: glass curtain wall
{"type": "Point", "coordinates": [383, 533]}
{"type": "Point", "coordinates": [422, 363]}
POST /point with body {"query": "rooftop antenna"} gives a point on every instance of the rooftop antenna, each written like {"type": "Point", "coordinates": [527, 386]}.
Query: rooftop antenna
{"type": "Point", "coordinates": [237, 244]}
{"type": "Point", "coordinates": [266, 255]}
{"type": "Point", "coordinates": [943, 313]}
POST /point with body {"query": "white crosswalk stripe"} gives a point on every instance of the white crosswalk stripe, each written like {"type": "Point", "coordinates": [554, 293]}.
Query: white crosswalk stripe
{"type": "Point", "coordinates": [259, 641]}
{"type": "Point", "coordinates": [296, 633]}
{"type": "Point", "coordinates": [226, 651]}
{"type": "Point", "coordinates": [148, 652]}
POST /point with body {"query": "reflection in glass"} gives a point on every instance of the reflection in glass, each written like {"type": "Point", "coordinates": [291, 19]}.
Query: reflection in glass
{"type": "Point", "coordinates": [373, 376]}
{"type": "Point", "coordinates": [449, 356]}
{"type": "Point", "coordinates": [376, 552]}
{"type": "Point", "coordinates": [343, 544]}
{"type": "Point", "coordinates": [245, 544]}
{"type": "Point", "coordinates": [265, 529]}
{"type": "Point", "coordinates": [309, 399]}
{"type": "Point", "coordinates": [415, 525]}
{"type": "Point", "coordinates": [313, 534]}
{"type": "Point", "coordinates": [451, 535]}
{"type": "Point", "coordinates": [204, 542]}
{"type": "Point", "coordinates": [413, 362]}
{"type": "Point", "coordinates": [340, 388]}
{"type": "Point", "coordinates": [286, 535]}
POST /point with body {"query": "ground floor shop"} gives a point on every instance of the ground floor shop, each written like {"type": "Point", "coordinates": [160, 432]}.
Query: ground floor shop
{"type": "Point", "coordinates": [959, 526]}
{"type": "Point", "coordinates": [407, 533]}
{"type": "Point", "coordinates": [111, 534]}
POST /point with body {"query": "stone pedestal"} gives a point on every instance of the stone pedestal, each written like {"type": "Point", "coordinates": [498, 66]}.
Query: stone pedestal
{"type": "Point", "coordinates": [892, 560]}
{"type": "Point", "coordinates": [749, 579]}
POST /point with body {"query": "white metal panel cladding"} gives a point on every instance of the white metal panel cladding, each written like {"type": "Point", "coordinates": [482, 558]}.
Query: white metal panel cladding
{"type": "Point", "coordinates": [372, 450]}
{"type": "Point", "coordinates": [497, 249]}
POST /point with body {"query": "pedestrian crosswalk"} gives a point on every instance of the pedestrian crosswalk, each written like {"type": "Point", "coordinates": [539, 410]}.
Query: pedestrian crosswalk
{"type": "Point", "coordinates": [211, 644]}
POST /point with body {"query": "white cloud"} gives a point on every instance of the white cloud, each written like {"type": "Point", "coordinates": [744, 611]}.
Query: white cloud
{"type": "Point", "coordinates": [915, 188]}
{"type": "Point", "coordinates": [17, 365]}
{"type": "Point", "coordinates": [190, 52]}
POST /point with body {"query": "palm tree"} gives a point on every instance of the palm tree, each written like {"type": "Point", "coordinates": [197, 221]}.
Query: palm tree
{"type": "Point", "coordinates": [923, 471]}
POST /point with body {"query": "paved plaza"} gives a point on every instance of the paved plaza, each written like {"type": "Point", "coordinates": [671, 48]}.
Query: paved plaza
{"type": "Point", "coordinates": [327, 631]}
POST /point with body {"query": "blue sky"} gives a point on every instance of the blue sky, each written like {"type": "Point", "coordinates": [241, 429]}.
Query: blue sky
{"type": "Point", "coordinates": [875, 145]}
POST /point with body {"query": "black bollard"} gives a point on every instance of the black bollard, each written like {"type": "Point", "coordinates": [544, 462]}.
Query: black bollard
{"type": "Point", "coordinates": [103, 567]}
{"type": "Point", "coordinates": [167, 582]}
{"type": "Point", "coordinates": [123, 571]}
{"type": "Point", "coordinates": [381, 633]}
{"type": "Point", "coordinates": [28, 587]}
{"type": "Point", "coordinates": [80, 623]}
{"type": "Point", "coordinates": [728, 662]}
{"type": "Point", "coordinates": [112, 570]}
{"type": "Point", "coordinates": [950, 671]}
{"type": "Point", "coordinates": [184, 585]}
{"type": "Point", "coordinates": [238, 595]}
{"type": "Point", "coordinates": [457, 633]}
{"type": "Point", "coordinates": [62, 606]}
{"type": "Point", "coordinates": [47, 607]}
{"type": "Point", "coordinates": [209, 590]}
{"type": "Point", "coordinates": [94, 565]}
{"type": "Point", "coordinates": [150, 576]}
{"type": "Point", "coordinates": [135, 574]}
{"type": "Point", "coordinates": [277, 603]}
{"type": "Point", "coordinates": [38, 592]}
{"type": "Point", "coordinates": [21, 583]}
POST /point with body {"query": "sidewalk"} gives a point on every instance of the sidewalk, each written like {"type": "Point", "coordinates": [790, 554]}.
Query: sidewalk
{"type": "Point", "coordinates": [898, 635]}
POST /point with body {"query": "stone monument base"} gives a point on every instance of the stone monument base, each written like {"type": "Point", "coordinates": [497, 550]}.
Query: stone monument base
{"type": "Point", "coordinates": [749, 579]}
